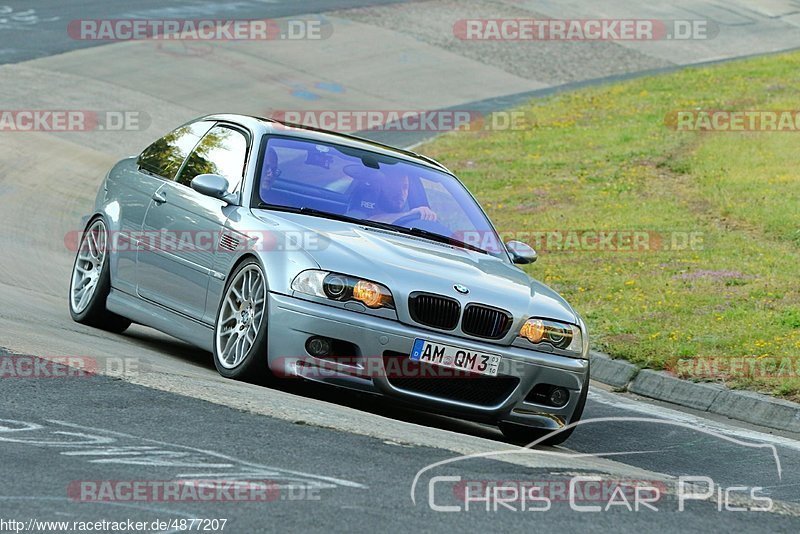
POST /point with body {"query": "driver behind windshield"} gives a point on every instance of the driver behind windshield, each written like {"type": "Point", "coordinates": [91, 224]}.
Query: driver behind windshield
{"type": "Point", "coordinates": [392, 202]}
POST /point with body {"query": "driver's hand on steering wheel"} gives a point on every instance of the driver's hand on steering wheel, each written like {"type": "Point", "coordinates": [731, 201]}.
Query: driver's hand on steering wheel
{"type": "Point", "coordinates": [425, 213]}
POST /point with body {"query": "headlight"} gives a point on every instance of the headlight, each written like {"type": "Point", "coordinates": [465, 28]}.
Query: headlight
{"type": "Point", "coordinates": [560, 335]}
{"type": "Point", "coordinates": [343, 288]}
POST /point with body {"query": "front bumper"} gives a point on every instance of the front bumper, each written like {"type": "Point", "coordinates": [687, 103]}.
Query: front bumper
{"type": "Point", "coordinates": [292, 321]}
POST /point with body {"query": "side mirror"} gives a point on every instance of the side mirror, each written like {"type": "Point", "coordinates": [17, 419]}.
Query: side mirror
{"type": "Point", "coordinates": [212, 185]}
{"type": "Point", "coordinates": [521, 253]}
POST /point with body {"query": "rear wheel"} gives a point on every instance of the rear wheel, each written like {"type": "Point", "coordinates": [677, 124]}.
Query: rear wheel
{"type": "Point", "coordinates": [524, 435]}
{"type": "Point", "coordinates": [240, 333]}
{"type": "Point", "coordinates": [91, 282]}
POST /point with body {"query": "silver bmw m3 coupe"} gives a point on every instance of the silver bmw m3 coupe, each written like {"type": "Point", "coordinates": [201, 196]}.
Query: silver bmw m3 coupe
{"type": "Point", "coordinates": [290, 251]}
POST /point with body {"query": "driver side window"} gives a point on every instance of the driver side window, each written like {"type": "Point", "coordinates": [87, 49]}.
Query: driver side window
{"type": "Point", "coordinates": [165, 156]}
{"type": "Point", "coordinates": [222, 151]}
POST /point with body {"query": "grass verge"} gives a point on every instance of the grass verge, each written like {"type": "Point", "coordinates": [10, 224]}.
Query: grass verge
{"type": "Point", "coordinates": [713, 289]}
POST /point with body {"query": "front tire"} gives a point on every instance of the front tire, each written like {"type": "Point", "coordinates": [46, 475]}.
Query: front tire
{"type": "Point", "coordinates": [90, 283]}
{"type": "Point", "coordinates": [240, 332]}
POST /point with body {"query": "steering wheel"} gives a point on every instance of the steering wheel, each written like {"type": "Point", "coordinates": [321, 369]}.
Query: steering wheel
{"type": "Point", "coordinates": [405, 219]}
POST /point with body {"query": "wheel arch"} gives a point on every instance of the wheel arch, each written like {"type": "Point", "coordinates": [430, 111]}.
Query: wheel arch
{"type": "Point", "coordinates": [240, 260]}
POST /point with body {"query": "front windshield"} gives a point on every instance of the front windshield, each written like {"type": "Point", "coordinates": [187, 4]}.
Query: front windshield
{"type": "Point", "coordinates": [377, 189]}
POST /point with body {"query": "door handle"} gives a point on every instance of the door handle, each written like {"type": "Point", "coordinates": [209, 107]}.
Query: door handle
{"type": "Point", "coordinates": [159, 198]}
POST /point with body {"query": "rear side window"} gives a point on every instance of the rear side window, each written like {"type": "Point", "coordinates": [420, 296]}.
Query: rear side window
{"type": "Point", "coordinates": [165, 156]}
{"type": "Point", "coordinates": [222, 151]}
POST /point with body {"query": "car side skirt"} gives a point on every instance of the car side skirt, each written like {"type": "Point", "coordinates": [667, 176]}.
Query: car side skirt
{"type": "Point", "coordinates": [150, 314]}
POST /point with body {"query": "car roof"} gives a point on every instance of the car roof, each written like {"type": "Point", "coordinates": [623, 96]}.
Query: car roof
{"type": "Point", "coordinates": [273, 126]}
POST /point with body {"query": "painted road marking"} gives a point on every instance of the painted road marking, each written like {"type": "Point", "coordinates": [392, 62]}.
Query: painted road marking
{"type": "Point", "coordinates": [618, 401]}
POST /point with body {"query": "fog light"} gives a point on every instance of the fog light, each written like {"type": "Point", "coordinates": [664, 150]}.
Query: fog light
{"type": "Point", "coordinates": [318, 347]}
{"type": "Point", "coordinates": [559, 397]}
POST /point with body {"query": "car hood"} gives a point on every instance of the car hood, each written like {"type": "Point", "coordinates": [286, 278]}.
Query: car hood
{"type": "Point", "coordinates": [407, 264]}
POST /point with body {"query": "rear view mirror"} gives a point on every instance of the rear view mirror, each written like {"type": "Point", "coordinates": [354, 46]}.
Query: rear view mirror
{"type": "Point", "coordinates": [212, 185]}
{"type": "Point", "coordinates": [521, 253]}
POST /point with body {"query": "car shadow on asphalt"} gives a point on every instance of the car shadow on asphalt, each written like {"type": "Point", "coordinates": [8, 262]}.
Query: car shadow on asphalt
{"type": "Point", "coordinates": [365, 402]}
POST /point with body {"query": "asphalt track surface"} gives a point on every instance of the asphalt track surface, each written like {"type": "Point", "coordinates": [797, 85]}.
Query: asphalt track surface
{"type": "Point", "coordinates": [49, 18]}
{"type": "Point", "coordinates": [333, 460]}
{"type": "Point", "coordinates": [100, 429]}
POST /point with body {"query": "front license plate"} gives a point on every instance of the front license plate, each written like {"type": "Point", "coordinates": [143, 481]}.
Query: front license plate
{"type": "Point", "coordinates": [455, 357]}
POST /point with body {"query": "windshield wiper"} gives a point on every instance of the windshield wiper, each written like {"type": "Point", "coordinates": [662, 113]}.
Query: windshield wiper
{"type": "Point", "coordinates": [433, 236]}
{"type": "Point", "coordinates": [307, 211]}
{"type": "Point", "coordinates": [325, 215]}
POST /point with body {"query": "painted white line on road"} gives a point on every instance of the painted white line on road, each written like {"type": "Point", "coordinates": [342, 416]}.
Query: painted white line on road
{"type": "Point", "coordinates": [618, 401]}
{"type": "Point", "coordinates": [253, 466]}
